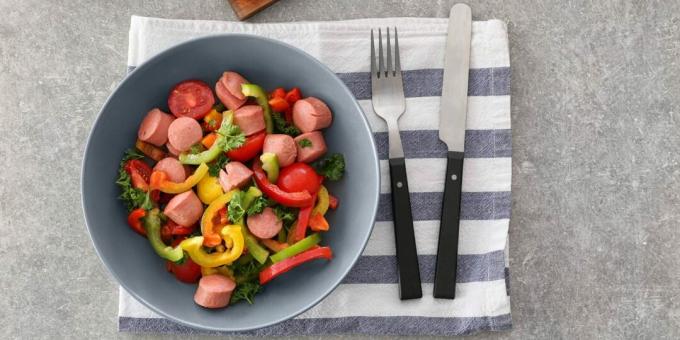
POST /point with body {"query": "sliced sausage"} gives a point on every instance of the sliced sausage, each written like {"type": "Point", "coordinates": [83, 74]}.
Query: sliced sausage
{"type": "Point", "coordinates": [228, 89]}
{"type": "Point", "coordinates": [235, 175]}
{"type": "Point", "coordinates": [311, 114]}
{"type": "Point", "coordinates": [283, 146]}
{"type": "Point", "coordinates": [172, 150]}
{"type": "Point", "coordinates": [250, 119]}
{"type": "Point", "coordinates": [184, 209]}
{"type": "Point", "coordinates": [310, 146]}
{"type": "Point", "coordinates": [214, 291]}
{"type": "Point", "coordinates": [184, 132]}
{"type": "Point", "coordinates": [154, 127]}
{"type": "Point", "coordinates": [173, 168]}
{"type": "Point", "coordinates": [265, 224]}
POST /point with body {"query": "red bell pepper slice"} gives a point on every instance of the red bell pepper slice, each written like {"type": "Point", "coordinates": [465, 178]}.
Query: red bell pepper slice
{"type": "Point", "coordinates": [284, 266]}
{"type": "Point", "coordinates": [288, 115]}
{"type": "Point", "coordinates": [279, 104]}
{"type": "Point", "coordinates": [302, 222]}
{"type": "Point", "coordinates": [333, 202]}
{"type": "Point", "coordinates": [278, 92]}
{"type": "Point", "coordinates": [290, 199]}
{"type": "Point", "coordinates": [171, 229]}
{"type": "Point", "coordinates": [135, 222]}
{"type": "Point", "coordinates": [293, 95]}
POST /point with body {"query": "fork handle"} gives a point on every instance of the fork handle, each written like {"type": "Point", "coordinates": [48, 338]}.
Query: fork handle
{"type": "Point", "coordinates": [447, 248]}
{"type": "Point", "coordinates": [407, 256]}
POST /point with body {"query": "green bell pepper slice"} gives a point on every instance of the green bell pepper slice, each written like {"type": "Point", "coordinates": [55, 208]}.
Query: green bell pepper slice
{"type": "Point", "coordinates": [254, 248]}
{"type": "Point", "coordinates": [297, 248]}
{"type": "Point", "coordinates": [270, 165]}
{"type": "Point", "coordinates": [252, 90]}
{"type": "Point", "coordinates": [250, 196]}
{"type": "Point", "coordinates": [152, 225]}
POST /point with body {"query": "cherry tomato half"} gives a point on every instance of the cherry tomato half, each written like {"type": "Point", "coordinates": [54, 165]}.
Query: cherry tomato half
{"type": "Point", "coordinates": [251, 148]}
{"type": "Point", "coordinates": [299, 177]}
{"type": "Point", "coordinates": [138, 166]}
{"type": "Point", "coordinates": [191, 98]}
{"type": "Point", "coordinates": [187, 272]}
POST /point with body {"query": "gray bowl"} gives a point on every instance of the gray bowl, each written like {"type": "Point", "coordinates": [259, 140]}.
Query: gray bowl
{"type": "Point", "coordinates": [270, 64]}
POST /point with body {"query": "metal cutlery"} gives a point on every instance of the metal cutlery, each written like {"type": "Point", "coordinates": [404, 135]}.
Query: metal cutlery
{"type": "Point", "coordinates": [452, 117]}
{"type": "Point", "coordinates": [389, 103]}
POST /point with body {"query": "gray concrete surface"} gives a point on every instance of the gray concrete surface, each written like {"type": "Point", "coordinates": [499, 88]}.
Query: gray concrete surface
{"type": "Point", "coordinates": [596, 173]}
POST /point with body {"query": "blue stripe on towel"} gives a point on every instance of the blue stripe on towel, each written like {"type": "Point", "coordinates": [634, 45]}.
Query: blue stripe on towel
{"type": "Point", "coordinates": [494, 81]}
{"type": "Point", "coordinates": [471, 268]}
{"type": "Point", "coordinates": [368, 325]}
{"type": "Point", "coordinates": [426, 206]}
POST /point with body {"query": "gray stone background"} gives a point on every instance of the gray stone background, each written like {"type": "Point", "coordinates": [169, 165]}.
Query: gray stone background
{"type": "Point", "coordinates": [596, 175]}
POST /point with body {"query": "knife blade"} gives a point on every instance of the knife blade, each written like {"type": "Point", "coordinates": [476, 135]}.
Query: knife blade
{"type": "Point", "coordinates": [452, 117]}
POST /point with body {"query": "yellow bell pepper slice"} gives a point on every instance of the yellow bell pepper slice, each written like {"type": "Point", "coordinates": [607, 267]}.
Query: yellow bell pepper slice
{"type": "Point", "coordinates": [222, 270]}
{"type": "Point", "coordinates": [159, 180]}
{"type": "Point", "coordinates": [209, 189]}
{"type": "Point", "coordinates": [322, 201]}
{"type": "Point", "coordinates": [233, 239]}
{"type": "Point", "coordinates": [205, 271]}
{"type": "Point", "coordinates": [210, 237]}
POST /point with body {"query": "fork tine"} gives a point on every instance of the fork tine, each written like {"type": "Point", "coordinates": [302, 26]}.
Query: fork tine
{"type": "Point", "coordinates": [389, 54]}
{"type": "Point", "coordinates": [373, 70]}
{"type": "Point", "coordinates": [381, 66]}
{"type": "Point", "coordinates": [397, 63]}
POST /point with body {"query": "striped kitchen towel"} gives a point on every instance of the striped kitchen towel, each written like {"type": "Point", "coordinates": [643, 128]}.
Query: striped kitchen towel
{"type": "Point", "coordinates": [482, 300]}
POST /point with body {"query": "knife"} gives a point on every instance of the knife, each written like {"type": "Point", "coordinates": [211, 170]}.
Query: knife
{"type": "Point", "coordinates": [452, 115]}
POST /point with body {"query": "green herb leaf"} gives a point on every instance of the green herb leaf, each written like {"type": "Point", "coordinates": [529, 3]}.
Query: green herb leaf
{"type": "Point", "coordinates": [258, 205]}
{"type": "Point", "coordinates": [217, 165]}
{"type": "Point", "coordinates": [235, 210]}
{"type": "Point", "coordinates": [286, 215]}
{"type": "Point", "coordinates": [233, 137]}
{"type": "Point", "coordinates": [132, 197]}
{"type": "Point", "coordinates": [282, 126]}
{"type": "Point", "coordinates": [332, 167]}
{"type": "Point", "coordinates": [246, 292]}
{"type": "Point", "coordinates": [305, 143]}
{"type": "Point", "coordinates": [131, 154]}
{"type": "Point", "coordinates": [219, 107]}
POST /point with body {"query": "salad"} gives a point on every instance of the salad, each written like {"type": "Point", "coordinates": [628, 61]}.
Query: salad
{"type": "Point", "coordinates": [230, 190]}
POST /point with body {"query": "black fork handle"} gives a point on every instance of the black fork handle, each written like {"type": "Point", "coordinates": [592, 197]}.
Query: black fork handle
{"type": "Point", "coordinates": [407, 256]}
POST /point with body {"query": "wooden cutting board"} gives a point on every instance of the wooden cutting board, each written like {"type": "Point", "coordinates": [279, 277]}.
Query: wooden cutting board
{"type": "Point", "coordinates": [244, 9]}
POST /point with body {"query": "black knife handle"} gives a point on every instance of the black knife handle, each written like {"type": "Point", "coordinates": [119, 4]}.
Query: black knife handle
{"type": "Point", "coordinates": [407, 256]}
{"type": "Point", "coordinates": [447, 248]}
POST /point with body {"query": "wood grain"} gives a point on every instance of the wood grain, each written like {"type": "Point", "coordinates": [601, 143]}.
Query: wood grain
{"type": "Point", "coordinates": [244, 9]}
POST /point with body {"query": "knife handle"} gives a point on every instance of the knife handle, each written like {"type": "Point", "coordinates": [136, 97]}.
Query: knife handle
{"type": "Point", "coordinates": [407, 256]}
{"type": "Point", "coordinates": [447, 248]}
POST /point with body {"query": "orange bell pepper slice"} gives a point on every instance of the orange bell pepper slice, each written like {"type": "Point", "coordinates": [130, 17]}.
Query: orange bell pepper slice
{"type": "Point", "coordinates": [209, 140]}
{"type": "Point", "coordinates": [273, 245]}
{"type": "Point", "coordinates": [318, 223]}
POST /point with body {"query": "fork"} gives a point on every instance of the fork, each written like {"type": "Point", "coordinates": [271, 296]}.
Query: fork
{"type": "Point", "coordinates": [388, 103]}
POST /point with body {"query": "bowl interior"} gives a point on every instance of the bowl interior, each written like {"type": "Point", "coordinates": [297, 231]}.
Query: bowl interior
{"type": "Point", "coordinates": [270, 64]}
